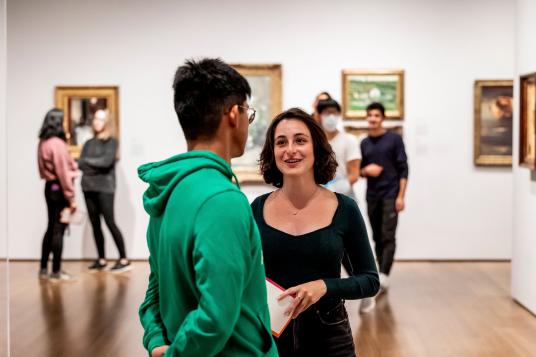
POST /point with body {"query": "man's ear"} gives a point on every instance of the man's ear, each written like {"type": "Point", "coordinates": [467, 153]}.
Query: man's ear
{"type": "Point", "coordinates": [233, 116]}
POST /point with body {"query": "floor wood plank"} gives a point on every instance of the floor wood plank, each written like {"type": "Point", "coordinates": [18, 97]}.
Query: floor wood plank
{"type": "Point", "coordinates": [431, 309]}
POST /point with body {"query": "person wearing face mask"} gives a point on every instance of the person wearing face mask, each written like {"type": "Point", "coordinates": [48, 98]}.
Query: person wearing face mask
{"type": "Point", "coordinates": [318, 98]}
{"type": "Point", "coordinates": [97, 162]}
{"type": "Point", "coordinates": [345, 146]}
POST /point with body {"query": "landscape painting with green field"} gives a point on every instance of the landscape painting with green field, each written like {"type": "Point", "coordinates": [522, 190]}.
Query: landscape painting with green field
{"type": "Point", "coordinates": [365, 90]}
{"type": "Point", "coordinates": [361, 89]}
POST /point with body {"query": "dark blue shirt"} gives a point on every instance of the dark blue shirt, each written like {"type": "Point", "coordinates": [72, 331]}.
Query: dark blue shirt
{"type": "Point", "coordinates": [388, 151]}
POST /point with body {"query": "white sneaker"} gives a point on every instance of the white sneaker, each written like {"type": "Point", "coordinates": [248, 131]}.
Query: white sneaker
{"type": "Point", "coordinates": [367, 305]}
{"type": "Point", "coordinates": [61, 276]}
{"type": "Point", "coordinates": [384, 282]}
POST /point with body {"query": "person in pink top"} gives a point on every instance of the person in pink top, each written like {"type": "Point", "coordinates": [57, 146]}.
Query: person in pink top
{"type": "Point", "coordinates": [58, 169]}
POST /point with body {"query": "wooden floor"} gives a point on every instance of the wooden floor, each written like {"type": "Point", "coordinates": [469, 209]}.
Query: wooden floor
{"type": "Point", "coordinates": [3, 308]}
{"type": "Point", "coordinates": [432, 309]}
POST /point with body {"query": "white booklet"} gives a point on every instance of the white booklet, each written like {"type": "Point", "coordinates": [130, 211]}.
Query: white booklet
{"type": "Point", "coordinates": [77, 217]}
{"type": "Point", "coordinates": [278, 319]}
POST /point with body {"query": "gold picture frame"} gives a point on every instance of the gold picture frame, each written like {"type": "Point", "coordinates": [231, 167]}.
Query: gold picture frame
{"type": "Point", "coordinates": [267, 99]}
{"type": "Point", "coordinates": [493, 122]}
{"type": "Point", "coordinates": [527, 128]}
{"type": "Point", "coordinates": [362, 87]}
{"type": "Point", "coordinates": [79, 103]}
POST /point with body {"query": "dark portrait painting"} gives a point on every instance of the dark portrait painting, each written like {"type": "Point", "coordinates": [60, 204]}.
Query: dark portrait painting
{"type": "Point", "coordinates": [493, 123]}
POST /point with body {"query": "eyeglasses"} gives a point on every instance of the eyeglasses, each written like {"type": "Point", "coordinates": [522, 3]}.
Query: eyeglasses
{"type": "Point", "coordinates": [250, 112]}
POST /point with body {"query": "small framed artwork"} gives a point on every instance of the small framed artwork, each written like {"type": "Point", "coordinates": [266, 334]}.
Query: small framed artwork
{"type": "Point", "coordinates": [527, 128]}
{"type": "Point", "coordinates": [79, 104]}
{"type": "Point", "coordinates": [360, 88]}
{"type": "Point", "coordinates": [493, 122]}
{"type": "Point", "coordinates": [265, 81]}
{"type": "Point", "coordinates": [361, 132]}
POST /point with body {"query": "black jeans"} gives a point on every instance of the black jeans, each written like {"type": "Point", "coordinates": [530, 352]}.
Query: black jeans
{"type": "Point", "coordinates": [383, 219]}
{"type": "Point", "coordinates": [100, 203]}
{"type": "Point", "coordinates": [321, 330]}
{"type": "Point", "coordinates": [53, 239]}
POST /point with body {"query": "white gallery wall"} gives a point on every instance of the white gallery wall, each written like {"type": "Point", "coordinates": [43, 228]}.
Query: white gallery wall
{"type": "Point", "coordinates": [524, 240]}
{"type": "Point", "coordinates": [3, 136]}
{"type": "Point", "coordinates": [4, 315]}
{"type": "Point", "coordinates": [454, 209]}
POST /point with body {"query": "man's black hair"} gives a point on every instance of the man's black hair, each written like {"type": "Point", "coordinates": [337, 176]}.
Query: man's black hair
{"type": "Point", "coordinates": [203, 91]}
{"type": "Point", "coordinates": [376, 106]}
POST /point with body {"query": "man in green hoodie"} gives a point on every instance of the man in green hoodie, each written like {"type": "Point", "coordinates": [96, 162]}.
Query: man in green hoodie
{"type": "Point", "coordinates": [206, 294]}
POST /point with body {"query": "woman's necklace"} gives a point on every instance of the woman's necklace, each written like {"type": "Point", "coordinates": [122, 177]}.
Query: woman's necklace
{"type": "Point", "coordinates": [295, 211]}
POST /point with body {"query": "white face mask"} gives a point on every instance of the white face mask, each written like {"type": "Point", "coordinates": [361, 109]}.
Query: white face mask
{"type": "Point", "coordinates": [329, 122]}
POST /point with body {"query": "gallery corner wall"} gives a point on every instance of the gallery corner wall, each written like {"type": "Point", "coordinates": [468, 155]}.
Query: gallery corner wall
{"type": "Point", "coordinates": [3, 133]}
{"type": "Point", "coordinates": [524, 181]}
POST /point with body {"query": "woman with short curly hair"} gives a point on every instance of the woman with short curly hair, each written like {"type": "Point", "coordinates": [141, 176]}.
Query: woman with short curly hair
{"type": "Point", "coordinates": [306, 230]}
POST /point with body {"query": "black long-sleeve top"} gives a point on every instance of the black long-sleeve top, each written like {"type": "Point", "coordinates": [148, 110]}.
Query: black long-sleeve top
{"type": "Point", "coordinates": [97, 162]}
{"type": "Point", "coordinates": [292, 260]}
{"type": "Point", "coordinates": [388, 151]}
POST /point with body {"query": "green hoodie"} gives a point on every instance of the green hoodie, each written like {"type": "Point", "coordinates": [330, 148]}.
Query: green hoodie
{"type": "Point", "coordinates": [207, 292]}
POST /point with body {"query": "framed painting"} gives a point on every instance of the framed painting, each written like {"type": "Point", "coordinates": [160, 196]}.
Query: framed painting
{"type": "Point", "coordinates": [361, 132]}
{"type": "Point", "coordinates": [361, 87]}
{"type": "Point", "coordinates": [527, 128]}
{"type": "Point", "coordinates": [79, 103]}
{"type": "Point", "coordinates": [266, 98]}
{"type": "Point", "coordinates": [493, 122]}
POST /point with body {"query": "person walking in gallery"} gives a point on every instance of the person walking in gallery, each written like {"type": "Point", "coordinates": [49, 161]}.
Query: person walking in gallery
{"type": "Point", "coordinates": [344, 145]}
{"type": "Point", "coordinates": [207, 291]}
{"type": "Point", "coordinates": [385, 167]}
{"type": "Point", "coordinates": [306, 230]}
{"type": "Point", "coordinates": [59, 170]}
{"type": "Point", "coordinates": [318, 98]}
{"type": "Point", "coordinates": [97, 162]}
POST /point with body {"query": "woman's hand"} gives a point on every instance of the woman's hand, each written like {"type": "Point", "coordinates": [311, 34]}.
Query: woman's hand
{"type": "Point", "coordinates": [304, 296]}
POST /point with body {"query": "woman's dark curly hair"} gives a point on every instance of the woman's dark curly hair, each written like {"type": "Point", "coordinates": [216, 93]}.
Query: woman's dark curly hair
{"type": "Point", "coordinates": [325, 163]}
{"type": "Point", "coordinates": [53, 125]}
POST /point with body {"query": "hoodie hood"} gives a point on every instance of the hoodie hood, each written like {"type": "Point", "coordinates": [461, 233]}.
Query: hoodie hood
{"type": "Point", "coordinates": [163, 176]}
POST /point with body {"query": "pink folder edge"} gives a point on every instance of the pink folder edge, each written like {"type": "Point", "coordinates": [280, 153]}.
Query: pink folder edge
{"type": "Point", "coordinates": [288, 322]}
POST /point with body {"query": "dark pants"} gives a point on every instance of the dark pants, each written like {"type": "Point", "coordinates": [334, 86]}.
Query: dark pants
{"type": "Point", "coordinates": [53, 239]}
{"type": "Point", "coordinates": [100, 203]}
{"type": "Point", "coordinates": [321, 330]}
{"type": "Point", "coordinates": [383, 219]}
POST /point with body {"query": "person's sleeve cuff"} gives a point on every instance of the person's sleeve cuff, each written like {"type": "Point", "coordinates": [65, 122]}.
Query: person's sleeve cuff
{"type": "Point", "coordinates": [331, 287]}
{"type": "Point", "coordinates": [155, 341]}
